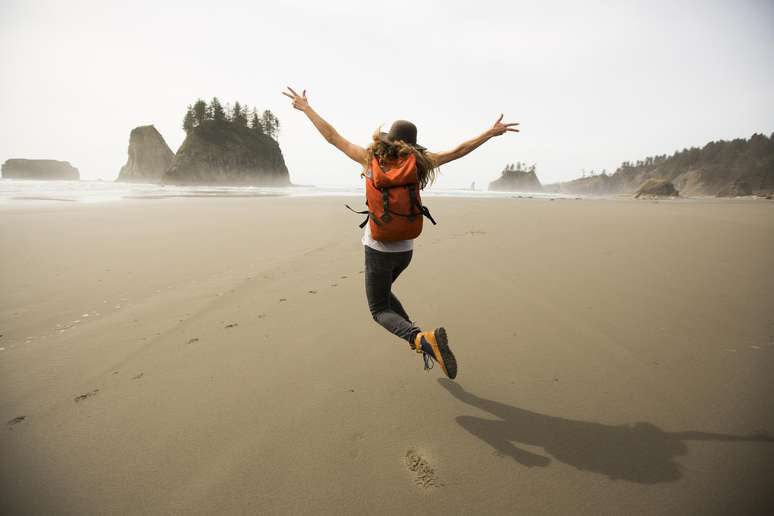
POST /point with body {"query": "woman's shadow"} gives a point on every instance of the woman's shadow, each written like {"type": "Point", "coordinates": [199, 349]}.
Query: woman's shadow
{"type": "Point", "coordinates": [641, 452]}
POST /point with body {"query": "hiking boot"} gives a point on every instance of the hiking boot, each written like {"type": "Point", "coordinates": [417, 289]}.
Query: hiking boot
{"type": "Point", "coordinates": [434, 346]}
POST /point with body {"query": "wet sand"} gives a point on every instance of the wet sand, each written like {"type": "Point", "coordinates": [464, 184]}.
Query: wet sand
{"type": "Point", "coordinates": [216, 356]}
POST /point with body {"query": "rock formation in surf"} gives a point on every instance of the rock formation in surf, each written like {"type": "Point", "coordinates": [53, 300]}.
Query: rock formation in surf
{"type": "Point", "coordinates": [517, 178]}
{"type": "Point", "coordinates": [228, 147]}
{"type": "Point", "coordinates": [39, 169]}
{"type": "Point", "coordinates": [149, 156]}
{"type": "Point", "coordinates": [654, 188]}
{"type": "Point", "coordinates": [222, 153]}
{"type": "Point", "coordinates": [710, 170]}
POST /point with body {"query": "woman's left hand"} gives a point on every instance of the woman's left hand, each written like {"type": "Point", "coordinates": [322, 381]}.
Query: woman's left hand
{"type": "Point", "coordinates": [500, 128]}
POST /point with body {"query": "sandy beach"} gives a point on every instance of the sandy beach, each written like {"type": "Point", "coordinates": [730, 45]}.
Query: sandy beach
{"type": "Point", "coordinates": [217, 356]}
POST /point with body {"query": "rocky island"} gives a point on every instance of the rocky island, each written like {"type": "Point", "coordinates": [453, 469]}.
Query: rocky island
{"type": "Point", "coordinates": [149, 156]}
{"type": "Point", "coordinates": [655, 188]}
{"type": "Point", "coordinates": [39, 169]}
{"type": "Point", "coordinates": [230, 146]}
{"type": "Point", "coordinates": [517, 178]}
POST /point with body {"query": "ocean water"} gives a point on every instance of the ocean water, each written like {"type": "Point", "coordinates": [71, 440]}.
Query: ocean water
{"type": "Point", "coordinates": [26, 191]}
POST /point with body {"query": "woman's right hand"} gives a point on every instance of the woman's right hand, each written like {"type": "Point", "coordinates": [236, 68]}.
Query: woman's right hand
{"type": "Point", "coordinates": [300, 102]}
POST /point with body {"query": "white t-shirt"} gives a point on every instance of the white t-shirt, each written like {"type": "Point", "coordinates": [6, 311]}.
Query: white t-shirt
{"type": "Point", "coordinates": [397, 246]}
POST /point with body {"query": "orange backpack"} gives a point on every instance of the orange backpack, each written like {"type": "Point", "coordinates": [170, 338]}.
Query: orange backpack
{"type": "Point", "coordinates": [395, 209]}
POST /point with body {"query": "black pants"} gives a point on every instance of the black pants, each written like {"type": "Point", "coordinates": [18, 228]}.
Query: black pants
{"type": "Point", "coordinates": [381, 270]}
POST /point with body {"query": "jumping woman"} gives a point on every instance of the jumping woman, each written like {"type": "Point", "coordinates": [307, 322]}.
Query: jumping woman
{"type": "Point", "coordinates": [395, 168]}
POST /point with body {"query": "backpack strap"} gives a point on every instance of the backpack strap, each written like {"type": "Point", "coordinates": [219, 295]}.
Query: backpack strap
{"type": "Point", "coordinates": [426, 213]}
{"type": "Point", "coordinates": [388, 213]}
{"type": "Point", "coordinates": [369, 215]}
{"type": "Point", "coordinates": [353, 211]}
{"type": "Point", "coordinates": [412, 189]}
{"type": "Point", "coordinates": [386, 201]}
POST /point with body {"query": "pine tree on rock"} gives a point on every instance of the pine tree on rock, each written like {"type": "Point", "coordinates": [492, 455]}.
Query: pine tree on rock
{"type": "Point", "coordinates": [189, 121]}
{"type": "Point", "coordinates": [255, 123]}
{"type": "Point", "coordinates": [199, 111]}
{"type": "Point", "coordinates": [237, 115]}
{"type": "Point", "coordinates": [246, 115]}
{"type": "Point", "coordinates": [218, 113]}
{"type": "Point", "coordinates": [270, 124]}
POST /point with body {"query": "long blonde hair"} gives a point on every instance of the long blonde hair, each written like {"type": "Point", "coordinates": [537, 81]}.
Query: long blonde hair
{"type": "Point", "coordinates": [389, 152]}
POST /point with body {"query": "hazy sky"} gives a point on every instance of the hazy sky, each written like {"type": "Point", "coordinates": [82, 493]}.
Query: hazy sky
{"type": "Point", "coordinates": [592, 83]}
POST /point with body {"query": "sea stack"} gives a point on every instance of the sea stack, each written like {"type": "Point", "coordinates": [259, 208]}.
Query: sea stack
{"type": "Point", "coordinates": [149, 156]}
{"type": "Point", "coordinates": [514, 178]}
{"type": "Point", "coordinates": [219, 152]}
{"type": "Point", "coordinates": [655, 188]}
{"type": "Point", "coordinates": [39, 169]}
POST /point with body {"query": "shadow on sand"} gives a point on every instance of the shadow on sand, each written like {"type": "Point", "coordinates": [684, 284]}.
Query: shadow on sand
{"type": "Point", "coordinates": [641, 452]}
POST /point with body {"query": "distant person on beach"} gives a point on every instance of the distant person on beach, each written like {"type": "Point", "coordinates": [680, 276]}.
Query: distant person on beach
{"type": "Point", "coordinates": [395, 168]}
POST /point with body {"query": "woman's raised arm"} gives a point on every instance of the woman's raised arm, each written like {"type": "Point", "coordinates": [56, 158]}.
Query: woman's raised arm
{"type": "Point", "coordinates": [355, 152]}
{"type": "Point", "coordinates": [467, 147]}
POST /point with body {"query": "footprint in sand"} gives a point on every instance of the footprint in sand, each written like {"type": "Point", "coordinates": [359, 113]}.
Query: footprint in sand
{"type": "Point", "coordinates": [82, 397]}
{"type": "Point", "coordinates": [425, 474]}
{"type": "Point", "coordinates": [354, 450]}
{"type": "Point", "coordinates": [16, 421]}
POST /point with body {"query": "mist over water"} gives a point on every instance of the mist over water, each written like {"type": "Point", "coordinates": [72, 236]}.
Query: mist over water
{"type": "Point", "coordinates": [17, 191]}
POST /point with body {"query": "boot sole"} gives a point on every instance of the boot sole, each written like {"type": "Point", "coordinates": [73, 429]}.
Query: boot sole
{"type": "Point", "coordinates": [449, 361]}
